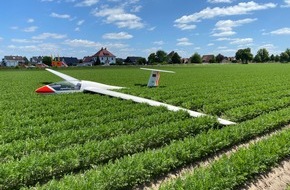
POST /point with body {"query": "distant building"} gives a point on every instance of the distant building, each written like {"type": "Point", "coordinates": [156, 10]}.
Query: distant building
{"type": "Point", "coordinates": [36, 60]}
{"type": "Point", "coordinates": [132, 60]}
{"type": "Point", "coordinates": [70, 61]}
{"type": "Point", "coordinates": [185, 60]}
{"type": "Point", "coordinates": [87, 61]}
{"type": "Point", "coordinates": [120, 61]}
{"type": "Point", "coordinates": [12, 61]}
{"type": "Point", "coordinates": [207, 58]}
{"type": "Point", "coordinates": [104, 57]}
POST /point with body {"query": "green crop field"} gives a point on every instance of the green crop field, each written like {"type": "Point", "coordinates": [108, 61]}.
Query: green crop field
{"type": "Point", "coordinates": [90, 141]}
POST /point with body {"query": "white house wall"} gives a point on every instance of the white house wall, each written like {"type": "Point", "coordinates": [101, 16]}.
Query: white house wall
{"type": "Point", "coordinates": [11, 63]}
{"type": "Point", "coordinates": [110, 60]}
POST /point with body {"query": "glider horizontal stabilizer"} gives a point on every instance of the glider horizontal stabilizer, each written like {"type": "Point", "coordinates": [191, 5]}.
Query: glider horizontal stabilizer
{"type": "Point", "coordinates": [158, 70]}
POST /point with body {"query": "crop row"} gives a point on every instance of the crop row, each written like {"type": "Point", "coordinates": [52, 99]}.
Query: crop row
{"type": "Point", "coordinates": [62, 139]}
{"type": "Point", "coordinates": [215, 103]}
{"type": "Point", "coordinates": [42, 126]}
{"type": "Point", "coordinates": [40, 166]}
{"type": "Point", "coordinates": [246, 112]}
{"type": "Point", "coordinates": [233, 171]}
{"type": "Point", "coordinates": [141, 167]}
{"type": "Point", "coordinates": [219, 107]}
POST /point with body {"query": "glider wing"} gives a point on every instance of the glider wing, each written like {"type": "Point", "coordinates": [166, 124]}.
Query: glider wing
{"type": "Point", "coordinates": [64, 76]}
{"type": "Point", "coordinates": [152, 103]}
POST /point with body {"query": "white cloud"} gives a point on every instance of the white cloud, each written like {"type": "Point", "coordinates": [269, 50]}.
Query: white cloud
{"type": "Point", "coordinates": [152, 50]}
{"type": "Point", "coordinates": [115, 45]}
{"type": "Point", "coordinates": [210, 44]}
{"type": "Point", "coordinates": [30, 20]}
{"type": "Point", "coordinates": [136, 9]}
{"type": "Point", "coordinates": [287, 3]}
{"type": "Point", "coordinates": [117, 36]}
{"type": "Point", "coordinates": [77, 29]}
{"type": "Point", "coordinates": [81, 43]}
{"type": "Point", "coordinates": [223, 39]}
{"type": "Point", "coordinates": [219, 1]}
{"type": "Point", "coordinates": [159, 43]}
{"type": "Point", "coordinates": [269, 47]}
{"type": "Point", "coordinates": [225, 27]}
{"type": "Point", "coordinates": [63, 16]}
{"type": "Point", "coordinates": [25, 41]}
{"type": "Point", "coordinates": [229, 24]}
{"type": "Point", "coordinates": [208, 13]}
{"type": "Point", "coordinates": [185, 26]}
{"type": "Point", "coordinates": [222, 47]}
{"type": "Point", "coordinates": [87, 3]}
{"type": "Point", "coordinates": [224, 33]}
{"type": "Point", "coordinates": [43, 48]}
{"type": "Point", "coordinates": [30, 29]}
{"type": "Point", "coordinates": [183, 42]}
{"type": "Point", "coordinates": [80, 22]}
{"type": "Point", "coordinates": [119, 17]}
{"type": "Point", "coordinates": [281, 31]}
{"type": "Point", "coordinates": [152, 28]}
{"type": "Point", "coordinates": [46, 35]}
{"type": "Point", "coordinates": [242, 41]}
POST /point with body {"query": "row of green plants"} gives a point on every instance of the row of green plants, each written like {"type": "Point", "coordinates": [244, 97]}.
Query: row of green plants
{"type": "Point", "coordinates": [41, 165]}
{"type": "Point", "coordinates": [60, 119]}
{"type": "Point", "coordinates": [247, 112]}
{"type": "Point", "coordinates": [81, 134]}
{"type": "Point", "coordinates": [231, 172]}
{"type": "Point", "coordinates": [142, 167]}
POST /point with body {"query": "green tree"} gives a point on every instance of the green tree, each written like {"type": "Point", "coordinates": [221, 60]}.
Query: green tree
{"type": "Point", "coordinates": [176, 58]}
{"type": "Point", "coordinates": [272, 58]}
{"type": "Point", "coordinates": [277, 58]}
{"type": "Point", "coordinates": [244, 55]}
{"type": "Point", "coordinates": [195, 58]}
{"type": "Point", "coordinates": [152, 58]}
{"type": "Point", "coordinates": [288, 52]}
{"type": "Point", "coordinates": [219, 58]}
{"type": "Point", "coordinates": [97, 61]}
{"type": "Point", "coordinates": [258, 58]}
{"type": "Point", "coordinates": [47, 60]}
{"type": "Point", "coordinates": [141, 61]}
{"type": "Point", "coordinates": [25, 60]}
{"type": "Point", "coordinates": [262, 55]}
{"type": "Point", "coordinates": [161, 56]}
{"type": "Point", "coordinates": [284, 57]}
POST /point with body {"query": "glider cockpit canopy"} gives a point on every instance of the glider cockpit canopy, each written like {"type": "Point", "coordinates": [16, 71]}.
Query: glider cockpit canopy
{"type": "Point", "coordinates": [65, 86]}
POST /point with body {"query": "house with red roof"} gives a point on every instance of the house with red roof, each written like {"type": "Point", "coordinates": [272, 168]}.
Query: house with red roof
{"type": "Point", "coordinates": [104, 57]}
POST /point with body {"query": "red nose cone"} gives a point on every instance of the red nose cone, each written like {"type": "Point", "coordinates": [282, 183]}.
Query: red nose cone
{"type": "Point", "coordinates": [44, 90]}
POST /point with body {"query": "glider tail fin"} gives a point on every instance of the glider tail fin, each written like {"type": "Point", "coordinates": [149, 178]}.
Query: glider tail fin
{"type": "Point", "coordinates": [154, 79]}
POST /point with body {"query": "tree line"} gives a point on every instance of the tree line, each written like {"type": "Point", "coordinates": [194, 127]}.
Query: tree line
{"type": "Point", "coordinates": [242, 55]}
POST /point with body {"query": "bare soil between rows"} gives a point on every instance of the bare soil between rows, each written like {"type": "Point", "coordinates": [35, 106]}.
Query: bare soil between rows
{"type": "Point", "coordinates": [277, 179]}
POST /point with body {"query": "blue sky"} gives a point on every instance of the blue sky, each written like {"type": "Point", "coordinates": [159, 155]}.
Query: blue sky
{"type": "Point", "coordinates": [139, 27]}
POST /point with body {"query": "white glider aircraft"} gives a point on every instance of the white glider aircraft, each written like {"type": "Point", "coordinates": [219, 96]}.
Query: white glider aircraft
{"type": "Point", "coordinates": [74, 85]}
